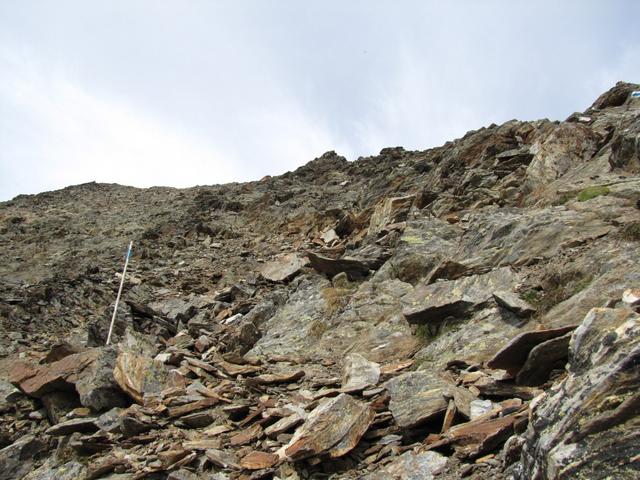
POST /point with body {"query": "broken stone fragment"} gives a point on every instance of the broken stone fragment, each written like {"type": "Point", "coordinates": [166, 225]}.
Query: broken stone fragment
{"type": "Point", "coordinates": [333, 428]}
{"type": "Point", "coordinates": [482, 435]}
{"type": "Point", "coordinates": [631, 297]}
{"type": "Point", "coordinates": [457, 298]}
{"type": "Point", "coordinates": [275, 378]}
{"type": "Point", "coordinates": [75, 425]}
{"type": "Point", "coordinates": [514, 303]}
{"type": "Point", "coordinates": [222, 459]}
{"type": "Point", "coordinates": [390, 210]}
{"type": "Point", "coordinates": [359, 373]}
{"type": "Point", "coordinates": [137, 375]}
{"type": "Point", "coordinates": [411, 466]}
{"type": "Point", "coordinates": [417, 397]}
{"type": "Point", "coordinates": [587, 426]}
{"type": "Point", "coordinates": [544, 358]}
{"type": "Point", "coordinates": [514, 354]}
{"type": "Point", "coordinates": [88, 373]}
{"type": "Point", "coordinates": [479, 407]}
{"type": "Point", "coordinates": [8, 395]}
{"type": "Point", "coordinates": [258, 460]}
{"type": "Point", "coordinates": [246, 436]}
{"type": "Point", "coordinates": [283, 425]}
{"type": "Point", "coordinates": [16, 459]}
{"type": "Point", "coordinates": [283, 268]}
{"type": "Point", "coordinates": [356, 267]}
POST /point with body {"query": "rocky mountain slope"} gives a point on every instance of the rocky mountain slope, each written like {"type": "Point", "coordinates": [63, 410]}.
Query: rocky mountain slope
{"type": "Point", "coordinates": [468, 311]}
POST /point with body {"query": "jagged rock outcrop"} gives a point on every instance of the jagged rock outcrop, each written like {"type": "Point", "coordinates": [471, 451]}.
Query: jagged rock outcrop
{"type": "Point", "coordinates": [468, 311]}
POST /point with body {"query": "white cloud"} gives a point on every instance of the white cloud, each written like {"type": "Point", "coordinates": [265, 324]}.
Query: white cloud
{"type": "Point", "coordinates": [66, 134]}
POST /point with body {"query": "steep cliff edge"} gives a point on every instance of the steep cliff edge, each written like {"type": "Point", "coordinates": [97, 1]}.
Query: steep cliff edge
{"type": "Point", "coordinates": [468, 311]}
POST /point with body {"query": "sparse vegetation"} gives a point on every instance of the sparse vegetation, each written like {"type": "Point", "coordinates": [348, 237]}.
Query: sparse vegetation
{"type": "Point", "coordinates": [336, 299]}
{"type": "Point", "coordinates": [592, 192]}
{"type": "Point", "coordinates": [556, 288]}
{"type": "Point", "coordinates": [427, 332]}
{"type": "Point", "coordinates": [631, 232]}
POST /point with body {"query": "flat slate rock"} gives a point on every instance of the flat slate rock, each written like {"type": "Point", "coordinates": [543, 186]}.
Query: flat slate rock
{"type": "Point", "coordinates": [411, 466]}
{"type": "Point", "coordinates": [283, 268]}
{"type": "Point", "coordinates": [542, 359]}
{"type": "Point", "coordinates": [428, 303]}
{"type": "Point", "coordinates": [333, 429]}
{"type": "Point", "coordinates": [83, 425]}
{"type": "Point", "coordinates": [514, 303]}
{"type": "Point", "coordinates": [354, 268]}
{"type": "Point", "coordinates": [514, 354]}
{"type": "Point", "coordinates": [417, 397]}
{"type": "Point", "coordinates": [359, 373]}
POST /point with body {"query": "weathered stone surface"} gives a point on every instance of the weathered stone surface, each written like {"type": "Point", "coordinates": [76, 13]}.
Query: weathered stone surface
{"type": "Point", "coordinates": [276, 378]}
{"type": "Point", "coordinates": [174, 309]}
{"type": "Point", "coordinates": [359, 373]}
{"type": "Point", "coordinates": [36, 380]}
{"type": "Point", "coordinates": [58, 404]}
{"type": "Point", "coordinates": [75, 425]}
{"type": "Point", "coordinates": [333, 428]}
{"type": "Point", "coordinates": [16, 459]}
{"type": "Point", "coordinates": [542, 359]}
{"type": "Point", "coordinates": [513, 302]}
{"type": "Point", "coordinates": [514, 354]}
{"type": "Point", "coordinates": [138, 375]}
{"type": "Point", "coordinates": [411, 466]}
{"type": "Point", "coordinates": [354, 268]}
{"type": "Point", "coordinates": [283, 268]}
{"type": "Point", "coordinates": [8, 395]}
{"type": "Point", "coordinates": [483, 434]}
{"type": "Point", "coordinates": [97, 387]}
{"type": "Point", "coordinates": [71, 470]}
{"type": "Point", "coordinates": [457, 298]}
{"type": "Point", "coordinates": [416, 397]}
{"type": "Point", "coordinates": [390, 210]}
{"type": "Point", "coordinates": [89, 373]}
{"type": "Point", "coordinates": [587, 426]}
{"type": "Point", "coordinates": [258, 460]}
{"type": "Point", "coordinates": [283, 425]}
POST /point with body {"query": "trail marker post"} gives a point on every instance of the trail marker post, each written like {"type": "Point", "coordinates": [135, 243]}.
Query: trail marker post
{"type": "Point", "coordinates": [115, 308]}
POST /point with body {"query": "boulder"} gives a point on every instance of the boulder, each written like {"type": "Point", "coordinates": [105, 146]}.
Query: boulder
{"type": "Point", "coordinates": [74, 425]}
{"type": "Point", "coordinates": [89, 373]}
{"type": "Point", "coordinates": [283, 268]}
{"type": "Point", "coordinates": [586, 427]}
{"type": "Point", "coordinates": [138, 375]}
{"type": "Point", "coordinates": [457, 298]}
{"type": "Point", "coordinates": [417, 397]}
{"type": "Point", "coordinates": [390, 210]}
{"type": "Point", "coordinates": [514, 354]}
{"type": "Point", "coordinates": [544, 358]}
{"type": "Point", "coordinates": [16, 460]}
{"type": "Point", "coordinates": [333, 429]}
{"type": "Point", "coordinates": [359, 373]}
{"type": "Point", "coordinates": [411, 466]}
{"type": "Point", "coordinates": [356, 266]}
{"type": "Point", "coordinates": [514, 303]}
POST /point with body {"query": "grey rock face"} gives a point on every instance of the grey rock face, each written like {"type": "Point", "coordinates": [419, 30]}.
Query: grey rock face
{"type": "Point", "coordinates": [416, 397]}
{"type": "Point", "coordinates": [358, 372]}
{"type": "Point", "coordinates": [587, 427]}
{"type": "Point", "coordinates": [412, 466]}
{"type": "Point", "coordinates": [16, 459]}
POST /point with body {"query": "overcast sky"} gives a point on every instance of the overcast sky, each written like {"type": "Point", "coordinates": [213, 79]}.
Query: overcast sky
{"type": "Point", "coordinates": [190, 92]}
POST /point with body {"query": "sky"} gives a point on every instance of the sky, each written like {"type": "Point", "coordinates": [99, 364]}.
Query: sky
{"type": "Point", "coordinates": [199, 92]}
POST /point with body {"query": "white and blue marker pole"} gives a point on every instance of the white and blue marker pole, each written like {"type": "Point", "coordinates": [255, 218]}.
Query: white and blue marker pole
{"type": "Point", "coordinates": [115, 308]}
